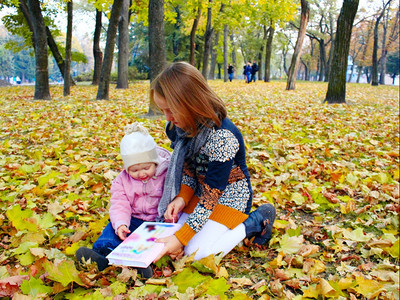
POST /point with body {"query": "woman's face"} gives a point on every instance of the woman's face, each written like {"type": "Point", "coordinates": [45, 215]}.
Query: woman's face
{"type": "Point", "coordinates": [169, 114]}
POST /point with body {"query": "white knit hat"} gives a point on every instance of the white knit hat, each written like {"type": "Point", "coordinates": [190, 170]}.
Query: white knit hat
{"type": "Point", "coordinates": [137, 146]}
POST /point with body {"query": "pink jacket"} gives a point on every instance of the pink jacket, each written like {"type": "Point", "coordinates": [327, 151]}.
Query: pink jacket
{"type": "Point", "coordinates": [130, 197]}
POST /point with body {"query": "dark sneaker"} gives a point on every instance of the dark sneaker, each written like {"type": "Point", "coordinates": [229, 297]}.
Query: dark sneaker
{"type": "Point", "coordinates": [87, 253]}
{"type": "Point", "coordinates": [259, 224]}
{"type": "Point", "coordinates": [145, 273]}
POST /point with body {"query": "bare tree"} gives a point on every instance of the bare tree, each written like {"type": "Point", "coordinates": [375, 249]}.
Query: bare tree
{"type": "Point", "coordinates": [324, 35]}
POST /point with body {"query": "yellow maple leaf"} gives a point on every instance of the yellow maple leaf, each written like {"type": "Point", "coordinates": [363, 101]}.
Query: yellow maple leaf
{"type": "Point", "coordinates": [367, 287]}
{"type": "Point", "coordinates": [326, 289]}
{"type": "Point", "coordinates": [312, 292]}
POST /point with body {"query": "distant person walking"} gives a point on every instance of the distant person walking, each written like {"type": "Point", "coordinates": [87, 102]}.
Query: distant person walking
{"type": "Point", "coordinates": [247, 72]}
{"type": "Point", "coordinates": [230, 72]}
{"type": "Point", "coordinates": [254, 70]}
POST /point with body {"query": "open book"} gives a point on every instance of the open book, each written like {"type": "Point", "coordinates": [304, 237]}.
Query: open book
{"type": "Point", "coordinates": [139, 249]}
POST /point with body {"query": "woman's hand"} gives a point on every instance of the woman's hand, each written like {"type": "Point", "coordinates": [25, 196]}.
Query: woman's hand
{"type": "Point", "coordinates": [173, 209]}
{"type": "Point", "coordinates": [122, 232]}
{"type": "Point", "coordinates": [172, 247]}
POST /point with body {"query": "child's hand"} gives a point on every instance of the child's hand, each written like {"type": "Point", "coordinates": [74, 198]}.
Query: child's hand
{"type": "Point", "coordinates": [173, 209]}
{"type": "Point", "coordinates": [122, 231]}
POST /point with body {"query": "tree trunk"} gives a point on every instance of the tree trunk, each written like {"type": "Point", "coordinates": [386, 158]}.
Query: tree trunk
{"type": "Point", "coordinates": [337, 79]}
{"type": "Point", "coordinates": [199, 56]}
{"type": "Point", "coordinates": [157, 53]}
{"type": "Point", "coordinates": [226, 33]}
{"type": "Point", "coordinates": [306, 71]}
{"type": "Point", "coordinates": [97, 54]}
{"type": "Point", "coordinates": [305, 13]}
{"type": "Point", "coordinates": [329, 63]}
{"type": "Point", "coordinates": [57, 55]}
{"type": "Point", "coordinates": [68, 46]}
{"type": "Point", "coordinates": [123, 46]}
{"type": "Point", "coordinates": [42, 88]}
{"type": "Point", "coordinates": [25, 12]}
{"type": "Point", "coordinates": [175, 34]}
{"type": "Point", "coordinates": [207, 40]}
{"type": "Point", "coordinates": [268, 51]}
{"type": "Point", "coordinates": [50, 40]}
{"type": "Point", "coordinates": [285, 51]}
{"type": "Point", "coordinates": [104, 83]}
{"type": "Point", "coordinates": [331, 51]}
{"type": "Point", "coordinates": [214, 56]}
{"type": "Point", "coordinates": [384, 51]}
{"type": "Point", "coordinates": [368, 75]}
{"type": "Point", "coordinates": [260, 55]}
{"type": "Point", "coordinates": [360, 68]}
{"type": "Point", "coordinates": [214, 51]}
{"type": "Point", "coordinates": [193, 35]}
{"type": "Point", "coordinates": [322, 59]}
{"type": "Point", "coordinates": [234, 63]}
{"type": "Point", "coordinates": [260, 62]}
{"type": "Point", "coordinates": [374, 75]}
{"type": "Point", "coordinates": [351, 73]}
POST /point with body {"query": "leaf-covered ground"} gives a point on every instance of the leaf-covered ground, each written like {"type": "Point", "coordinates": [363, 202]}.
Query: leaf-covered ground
{"type": "Point", "coordinates": [332, 171]}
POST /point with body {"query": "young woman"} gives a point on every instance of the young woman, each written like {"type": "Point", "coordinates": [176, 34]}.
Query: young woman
{"type": "Point", "coordinates": [207, 187]}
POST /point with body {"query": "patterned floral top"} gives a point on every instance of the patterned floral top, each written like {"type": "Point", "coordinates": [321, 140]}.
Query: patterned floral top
{"type": "Point", "coordinates": [216, 183]}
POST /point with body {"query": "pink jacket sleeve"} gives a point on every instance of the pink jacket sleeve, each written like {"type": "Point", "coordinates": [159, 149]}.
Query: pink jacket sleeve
{"type": "Point", "coordinates": [120, 209]}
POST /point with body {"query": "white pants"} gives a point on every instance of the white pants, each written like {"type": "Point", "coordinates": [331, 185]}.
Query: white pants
{"type": "Point", "coordinates": [213, 238]}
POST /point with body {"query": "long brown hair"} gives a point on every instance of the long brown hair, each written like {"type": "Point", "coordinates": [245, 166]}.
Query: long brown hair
{"type": "Point", "coordinates": [189, 96]}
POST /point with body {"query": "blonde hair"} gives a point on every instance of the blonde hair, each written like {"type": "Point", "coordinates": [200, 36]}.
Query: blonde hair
{"type": "Point", "coordinates": [189, 96]}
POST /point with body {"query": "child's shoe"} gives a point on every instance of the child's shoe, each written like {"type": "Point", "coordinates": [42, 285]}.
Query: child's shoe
{"type": "Point", "coordinates": [146, 273]}
{"type": "Point", "coordinates": [88, 253]}
{"type": "Point", "coordinates": [259, 224]}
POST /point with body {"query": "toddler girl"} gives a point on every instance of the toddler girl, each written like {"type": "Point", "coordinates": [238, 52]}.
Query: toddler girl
{"type": "Point", "coordinates": [135, 194]}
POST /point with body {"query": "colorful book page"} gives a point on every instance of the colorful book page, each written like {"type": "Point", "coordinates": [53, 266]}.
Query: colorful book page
{"type": "Point", "coordinates": [139, 249]}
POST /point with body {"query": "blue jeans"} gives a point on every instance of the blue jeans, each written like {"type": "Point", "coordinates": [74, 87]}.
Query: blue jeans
{"type": "Point", "coordinates": [108, 240]}
{"type": "Point", "coordinates": [230, 76]}
{"type": "Point", "coordinates": [248, 77]}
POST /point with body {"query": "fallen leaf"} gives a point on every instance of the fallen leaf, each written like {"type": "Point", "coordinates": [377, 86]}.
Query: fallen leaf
{"type": "Point", "coordinates": [11, 285]}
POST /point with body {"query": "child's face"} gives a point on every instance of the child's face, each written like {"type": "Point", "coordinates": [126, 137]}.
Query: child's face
{"type": "Point", "coordinates": [143, 171]}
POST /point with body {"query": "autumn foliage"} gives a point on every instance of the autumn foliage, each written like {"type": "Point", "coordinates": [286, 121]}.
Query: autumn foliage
{"type": "Point", "coordinates": [332, 171]}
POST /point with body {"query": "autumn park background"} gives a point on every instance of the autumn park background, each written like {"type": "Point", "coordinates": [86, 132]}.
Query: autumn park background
{"type": "Point", "coordinates": [321, 126]}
